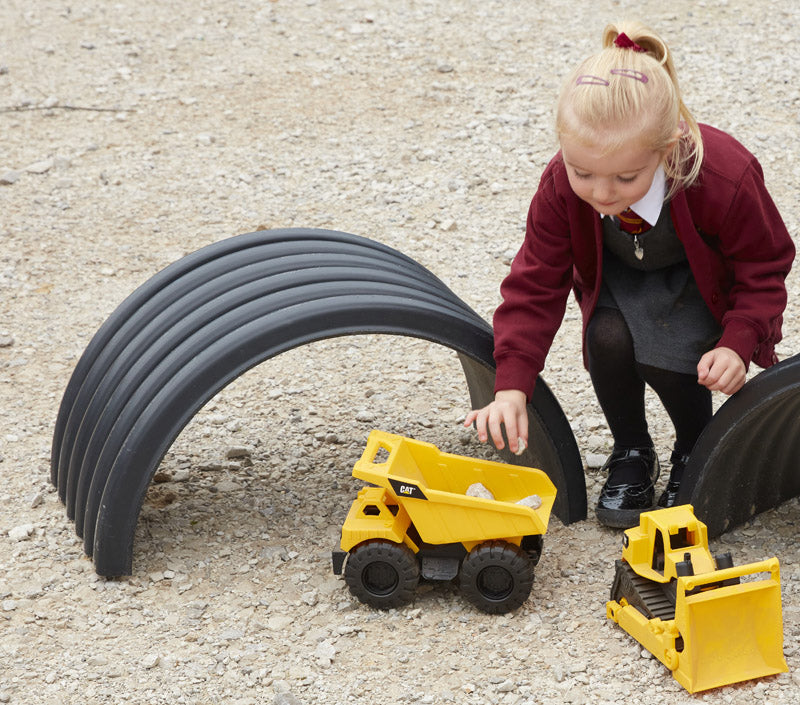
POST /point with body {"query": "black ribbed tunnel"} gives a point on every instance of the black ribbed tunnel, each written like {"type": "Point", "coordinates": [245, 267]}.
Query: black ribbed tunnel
{"type": "Point", "coordinates": [208, 318]}
{"type": "Point", "coordinates": [748, 458]}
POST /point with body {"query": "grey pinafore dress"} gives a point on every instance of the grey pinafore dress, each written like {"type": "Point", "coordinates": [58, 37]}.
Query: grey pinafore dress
{"type": "Point", "coordinates": [657, 295]}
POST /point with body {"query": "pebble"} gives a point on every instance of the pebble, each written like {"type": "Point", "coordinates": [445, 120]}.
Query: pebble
{"type": "Point", "coordinates": [507, 686]}
{"type": "Point", "coordinates": [274, 554]}
{"type": "Point", "coordinates": [40, 167]}
{"type": "Point", "coordinates": [594, 461]}
{"type": "Point", "coordinates": [21, 532]}
{"type": "Point", "coordinates": [325, 650]}
{"type": "Point", "coordinates": [231, 635]}
{"type": "Point", "coordinates": [508, 257]}
{"type": "Point", "coordinates": [479, 490]}
{"type": "Point", "coordinates": [533, 501]}
{"type": "Point", "coordinates": [280, 622]}
{"type": "Point", "coordinates": [9, 177]}
{"type": "Point", "coordinates": [227, 486]}
{"type": "Point", "coordinates": [238, 452]}
{"type": "Point", "coordinates": [287, 698]}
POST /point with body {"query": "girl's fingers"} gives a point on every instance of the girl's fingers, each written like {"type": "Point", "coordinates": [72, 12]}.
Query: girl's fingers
{"type": "Point", "coordinates": [512, 433]}
{"type": "Point", "coordinates": [496, 433]}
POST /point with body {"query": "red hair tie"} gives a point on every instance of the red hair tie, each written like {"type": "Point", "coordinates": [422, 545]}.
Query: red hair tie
{"type": "Point", "coordinates": [623, 41]}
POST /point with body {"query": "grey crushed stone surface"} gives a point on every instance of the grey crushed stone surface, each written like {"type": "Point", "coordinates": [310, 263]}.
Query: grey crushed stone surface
{"type": "Point", "coordinates": [132, 133]}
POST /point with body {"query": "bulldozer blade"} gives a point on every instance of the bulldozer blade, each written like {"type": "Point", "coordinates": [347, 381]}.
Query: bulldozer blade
{"type": "Point", "coordinates": [731, 633]}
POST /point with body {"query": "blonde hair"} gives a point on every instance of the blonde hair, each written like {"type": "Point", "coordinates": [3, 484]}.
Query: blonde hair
{"type": "Point", "coordinates": [620, 93]}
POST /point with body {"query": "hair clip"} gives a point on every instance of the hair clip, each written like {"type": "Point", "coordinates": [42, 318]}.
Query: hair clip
{"type": "Point", "coordinates": [623, 41]}
{"type": "Point", "coordinates": [586, 79]}
{"type": "Point", "coordinates": [630, 73]}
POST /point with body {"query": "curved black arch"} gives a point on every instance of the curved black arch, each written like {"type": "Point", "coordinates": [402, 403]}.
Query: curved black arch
{"type": "Point", "coordinates": [189, 333]}
{"type": "Point", "coordinates": [746, 460]}
{"type": "Point", "coordinates": [206, 319]}
{"type": "Point", "coordinates": [208, 345]}
{"type": "Point", "coordinates": [213, 269]}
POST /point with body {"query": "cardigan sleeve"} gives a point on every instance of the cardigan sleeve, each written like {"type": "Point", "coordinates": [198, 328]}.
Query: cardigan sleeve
{"type": "Point", "coordinates": [534, 293]}
{"type": "Point", "coordinates": [758, 252]}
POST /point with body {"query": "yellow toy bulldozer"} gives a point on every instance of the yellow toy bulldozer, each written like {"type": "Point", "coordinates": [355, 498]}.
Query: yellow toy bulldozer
{"type": "Point", "coordinates": [442, 516]}
{"type": "Point", "coordinates": [710, 623]}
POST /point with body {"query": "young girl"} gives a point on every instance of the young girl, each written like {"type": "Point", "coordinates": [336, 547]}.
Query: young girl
{"type": "Point", "coordinates": [675, 251]}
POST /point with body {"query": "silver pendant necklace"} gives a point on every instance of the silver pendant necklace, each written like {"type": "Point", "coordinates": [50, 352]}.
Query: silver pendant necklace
{"type": "Point", "coordinates": [637, 248]}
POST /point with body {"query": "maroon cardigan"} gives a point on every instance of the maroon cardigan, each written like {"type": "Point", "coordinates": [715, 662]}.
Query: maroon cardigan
{"type": "Point", "coordinates": [736, 243]}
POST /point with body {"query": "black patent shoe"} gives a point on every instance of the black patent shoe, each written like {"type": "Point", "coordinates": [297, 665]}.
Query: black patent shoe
{"type": "Point", "coordinates": [621, 502]}
{"type": "Point", "coordinates": [670, 493]}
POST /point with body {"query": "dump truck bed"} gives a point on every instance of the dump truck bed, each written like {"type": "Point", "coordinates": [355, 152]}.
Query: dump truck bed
{"type": "Point", "coordinates": [431, 486]}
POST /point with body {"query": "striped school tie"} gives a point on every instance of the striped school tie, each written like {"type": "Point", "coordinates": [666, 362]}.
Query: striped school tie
{"type": "Point", "coordinates": [631, 223]}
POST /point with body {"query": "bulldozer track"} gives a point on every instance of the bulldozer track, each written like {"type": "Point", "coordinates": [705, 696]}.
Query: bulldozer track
{"type": "Point", "coordinates": [649, 597]}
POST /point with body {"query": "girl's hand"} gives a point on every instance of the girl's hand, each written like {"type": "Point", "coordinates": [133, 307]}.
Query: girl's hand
{"type": "Point", "coordinates": [509, 409]}
{"type": "Point", "coordinates": [721, 369]}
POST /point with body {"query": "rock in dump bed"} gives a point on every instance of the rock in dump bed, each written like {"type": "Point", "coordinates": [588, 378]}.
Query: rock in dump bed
{"type": "Point", "coordinates": [478, 489]}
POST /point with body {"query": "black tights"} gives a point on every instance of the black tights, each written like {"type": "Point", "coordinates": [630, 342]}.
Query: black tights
{"type": "Point", "coordinates": [619, 384]}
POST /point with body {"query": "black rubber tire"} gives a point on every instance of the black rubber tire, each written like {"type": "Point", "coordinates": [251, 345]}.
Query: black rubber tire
{"type": "Point", "coordinates": [382, 574]}
{"type": "Point", "coordinates": [496, 577]}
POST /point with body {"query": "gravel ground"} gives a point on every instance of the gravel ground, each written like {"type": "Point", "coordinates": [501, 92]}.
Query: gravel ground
{"type": "Point", "coordinates": [136, 132]}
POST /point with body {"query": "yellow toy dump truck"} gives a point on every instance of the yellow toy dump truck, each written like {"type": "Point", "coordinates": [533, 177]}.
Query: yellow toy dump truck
{"type": "Point", "coordinates": [431, 514]}
{"type": "Point", "coordinates": [711, 624]}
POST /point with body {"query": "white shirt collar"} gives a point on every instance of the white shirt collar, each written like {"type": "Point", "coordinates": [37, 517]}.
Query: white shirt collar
{"type": "Point", "coordinates": [649, 206]}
